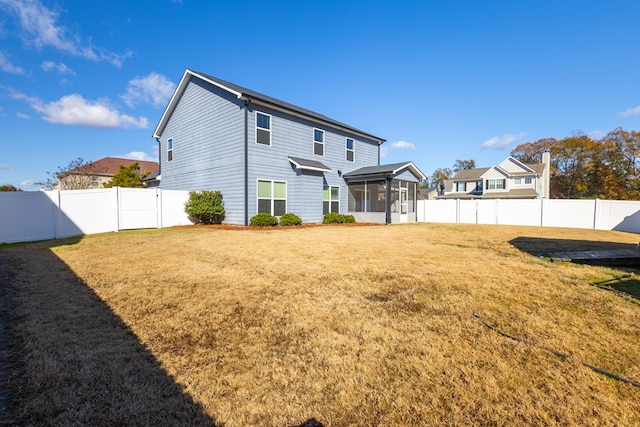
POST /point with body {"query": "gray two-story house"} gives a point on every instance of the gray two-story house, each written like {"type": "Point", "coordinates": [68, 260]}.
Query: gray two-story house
{"type": "Point", "coordinates": [266, 155]}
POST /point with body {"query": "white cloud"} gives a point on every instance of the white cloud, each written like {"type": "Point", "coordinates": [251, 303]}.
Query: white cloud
{"type": "Point", "coordinates": [75, 110]}
{"type": "Point", "coordinates": [154, 89]}
{"type": "Point", "coordinates": [502, 142]}
{"type": "Point", "coordinates": [60, 68]}
{"type": "Point", "coordinates": [23, 116]}
{"type": "Point", "coordinates": [403, 145]}
{"type": "Point", "coordinates": [383, 152]}
{"type": "Point", "coordinates": [631, 112]}
{"type": "Point", "coordinates": [4, 167]}
{"type": "Point", "coordinates": [27, 183]}
{"type": "Point", "coordinates": [138, 155]}
{"type": "Point", "coordinates": [41, 28]}
{"type": "Point", "coordinates": [8, 67]}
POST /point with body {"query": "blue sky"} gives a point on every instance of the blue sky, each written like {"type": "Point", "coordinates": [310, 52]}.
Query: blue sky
{"type": "Point", "coordinates": [439, 80]}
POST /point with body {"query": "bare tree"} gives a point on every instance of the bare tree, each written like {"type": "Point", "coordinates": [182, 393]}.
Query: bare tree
{"type": "Point", "coordinates": [77, 175]}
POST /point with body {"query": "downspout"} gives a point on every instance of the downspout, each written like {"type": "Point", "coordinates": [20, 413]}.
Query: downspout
{"type": "Point", "coordinates": [246, 160]}
{"type": "Point", "coordinates": [159, 156]}
{"type": "Point", "coordinates": [387, 196]}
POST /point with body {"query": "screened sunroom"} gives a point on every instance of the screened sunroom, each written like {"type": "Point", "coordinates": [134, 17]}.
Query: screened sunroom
{"type": "Point", "coordinates": [384, 194]}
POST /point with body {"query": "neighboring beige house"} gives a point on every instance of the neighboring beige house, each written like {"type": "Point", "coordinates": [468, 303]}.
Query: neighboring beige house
{"type": "Point", "coordinates": [96, 174]}
{"type": "Point", "coordinates": [510, 179]}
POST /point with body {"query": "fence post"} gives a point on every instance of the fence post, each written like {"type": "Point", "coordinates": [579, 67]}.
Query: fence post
{"type": "Point", "coordinates": [595, 213]}
{"type": "Point", "coordinates": [115, 194]}
{"type": "Point", "coordinates": [58, 214]}
{"type": "Point", "coordinates": [159, 207]}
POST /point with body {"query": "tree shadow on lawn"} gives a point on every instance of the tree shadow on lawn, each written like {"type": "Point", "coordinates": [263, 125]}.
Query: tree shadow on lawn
{"type": "Point", "coordinates": [542, 247]}
{"type": "Point", "coordinates": [70, 359]}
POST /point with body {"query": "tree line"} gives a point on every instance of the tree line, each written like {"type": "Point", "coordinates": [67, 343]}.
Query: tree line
{"type": "Point", "coordinates": [583, 167]}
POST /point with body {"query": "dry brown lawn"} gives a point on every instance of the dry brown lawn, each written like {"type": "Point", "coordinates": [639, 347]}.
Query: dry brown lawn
{"type": "Point", "coordinates": [363, 326]}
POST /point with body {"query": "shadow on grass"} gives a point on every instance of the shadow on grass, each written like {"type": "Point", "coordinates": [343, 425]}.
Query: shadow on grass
{"type": "Point", "coordinates": [624, 284]}
{"type": "Point", "coordinates": [542, 246]}
{"type": "Point", "coordinates": [70, 359]}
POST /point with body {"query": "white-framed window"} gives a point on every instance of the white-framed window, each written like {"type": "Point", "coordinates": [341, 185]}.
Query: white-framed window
{"type": "Point", "coordinates": [263, 128]}
{"type": "Point", "coordinates": [330, 199]}
{"type": "Point", "coordinates": [318, 142]}
{"type": "Point", "coordinates": [496, 184]}
{"type": "Point", "coordinates": [461, 186]}
{"type": "Point", "coordinates": [350, 147]}
{"type": "Point", "coordinates": [527, 180]}
{"type": "Point", "coordinates": [272, 197]}
{"type": "Point", "coordinates": [517, 180]}
{"type": "Point", "coordinates": [169, 149]}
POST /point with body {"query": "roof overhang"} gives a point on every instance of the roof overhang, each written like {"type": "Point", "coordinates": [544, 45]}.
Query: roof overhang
{"type": "Point", "coordinates": [253, 99]}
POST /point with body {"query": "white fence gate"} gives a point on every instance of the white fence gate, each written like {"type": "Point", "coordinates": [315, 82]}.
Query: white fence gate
{"type": "Point", "coordinates": [29, 216]}
{"type": "Point", "coordinates": [591, 214]}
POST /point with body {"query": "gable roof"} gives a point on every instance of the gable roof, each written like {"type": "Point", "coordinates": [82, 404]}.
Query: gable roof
{"type": "Point", "coordinates": [477, 173]}
{"type": "Point", "coordinates": [109, 166]}
{"type": "Point", "coordinates": [385, 170]}
{"type": "Point", "coordinates": [257, 98]}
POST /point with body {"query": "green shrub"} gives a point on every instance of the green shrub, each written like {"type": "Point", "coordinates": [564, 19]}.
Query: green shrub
{"type": "Point", "coordinates": [348, 218]}
{"type": "Point", "coordinates": [290, 219]}
{"type": "Point", "coordinates": [336, 218]}
{"type": "Point", "coordinates": [205, 206]}
{"type": "Point", "coordinates": [263, 219]}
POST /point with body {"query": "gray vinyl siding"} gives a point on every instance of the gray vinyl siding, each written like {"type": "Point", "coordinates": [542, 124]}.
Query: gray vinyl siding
{"type": "Point", "coordinates": [291, 136]}
{"type": "Point", "coordinates": [207, 127]}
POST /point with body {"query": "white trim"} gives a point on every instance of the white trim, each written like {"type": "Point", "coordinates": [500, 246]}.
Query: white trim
{"type": "Point", "coordinates": [273, 198]}
{"type": "Point", "coordinates": [324, 138]}
{"type": "Point", "coordinates": [414, 169]}
{"type": "Point", "coordinates": [346, 149]}
{"type": "Point", "coordinates": [255, 117]}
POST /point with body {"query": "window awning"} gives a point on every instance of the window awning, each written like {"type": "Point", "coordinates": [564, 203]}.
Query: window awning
{"type": "Point", "coordinates": [310, 165]}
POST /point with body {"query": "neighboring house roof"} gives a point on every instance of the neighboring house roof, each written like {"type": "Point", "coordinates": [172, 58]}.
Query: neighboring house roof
{"type": "Point", "coordinates": [257, 98]}
{"type": "Point", "coordinates": [385, 170]}
{"type": "Point", "coordinates": [311, 165]}
{"type": "Point", "coordinates": [516, 194]}
{"type": "Point", "coordinates": [109, 166]}
{"type": "Point", "coordinates": [477, 173]}
{"type": "Point", "coordinates": [511, 194]}
{"type": "Point", "coordinates": [470, 174]}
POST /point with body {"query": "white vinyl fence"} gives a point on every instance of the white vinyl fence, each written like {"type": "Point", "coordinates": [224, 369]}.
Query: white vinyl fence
{"type": "Point", "coordinates": [30, 215]}
{"type": "Point", "coordinates": [591, 214]}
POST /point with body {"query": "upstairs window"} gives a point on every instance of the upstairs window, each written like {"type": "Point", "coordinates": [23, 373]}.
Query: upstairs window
{"type": "Point", "coordinates": [461, 186]}
{"type": "Point", "coordinates": [263, 128]}
{"type": "Point", "coordinates": [496, 184]}
{"type": "Point", "coordinates": [527, 180]}
{"type": "Point", "coordinates": [169, 149]}
{"type": "Point", "coordinates": [330, 199]}
{"type": "Point", "coordinates": [318, 142]}
{"type": "Point", "coordinates": [350, 150]}
{"type": "Point", "coordinates": [517, 180]}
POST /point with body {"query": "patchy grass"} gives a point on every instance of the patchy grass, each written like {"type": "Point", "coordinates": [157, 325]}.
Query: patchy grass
{"type": "Point", "coordinates": [347, 325]}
